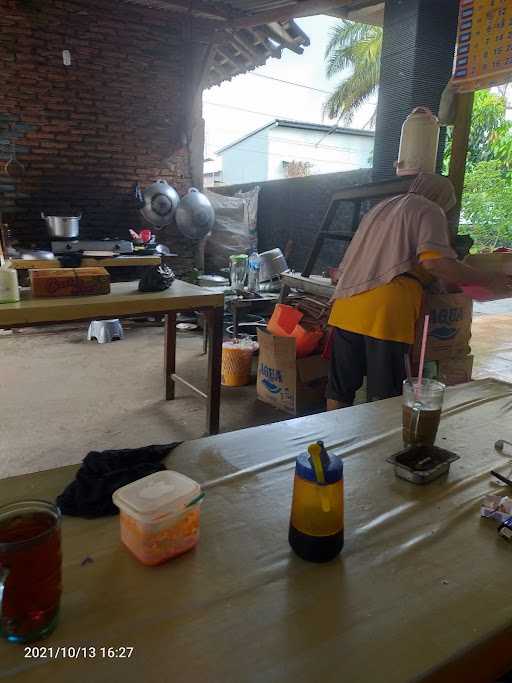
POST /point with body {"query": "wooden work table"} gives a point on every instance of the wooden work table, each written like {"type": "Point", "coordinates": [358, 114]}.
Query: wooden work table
{"type": "Point", "coordinates": [88, 261]}
{"type": "Point", "coordinates": [420, 593]}
{"type": "Point", "coordinates": [125, 300]}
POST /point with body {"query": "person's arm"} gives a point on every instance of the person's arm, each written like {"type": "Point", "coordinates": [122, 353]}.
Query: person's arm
{"type": "Point", "coordinates": [457, 273]}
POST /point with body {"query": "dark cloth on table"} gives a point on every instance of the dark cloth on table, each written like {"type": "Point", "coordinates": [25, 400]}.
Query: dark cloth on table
{"type": "Point", "coordinates": [103, 472]}
{"type": "Point", "coordinates": [354, 356]}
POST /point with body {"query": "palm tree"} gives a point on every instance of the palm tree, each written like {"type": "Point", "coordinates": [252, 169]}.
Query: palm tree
{"type": "Point", "coordinates": [357, 47]}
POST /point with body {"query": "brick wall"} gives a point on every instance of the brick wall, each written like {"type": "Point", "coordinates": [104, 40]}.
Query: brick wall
{"type": "Point", "coordinates": [86, 133]}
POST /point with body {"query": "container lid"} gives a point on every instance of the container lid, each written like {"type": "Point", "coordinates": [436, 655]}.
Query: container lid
{"type": "Point", "coordinates": [157, 494]}
{"type": "Point", "coordinates": [238, 258]}
{"type": "Point", "coordinates": [333, 470]}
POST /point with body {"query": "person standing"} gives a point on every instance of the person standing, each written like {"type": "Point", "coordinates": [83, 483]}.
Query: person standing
{"type": "Point", "coordinates": [401, 244]}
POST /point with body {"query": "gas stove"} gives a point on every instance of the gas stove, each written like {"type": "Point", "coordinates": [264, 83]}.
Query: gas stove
{"type": "Point", "coordinates": [79, 246]}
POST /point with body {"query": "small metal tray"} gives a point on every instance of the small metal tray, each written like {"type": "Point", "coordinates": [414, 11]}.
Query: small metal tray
{"type": "Point", "coordinates": [422, 464]}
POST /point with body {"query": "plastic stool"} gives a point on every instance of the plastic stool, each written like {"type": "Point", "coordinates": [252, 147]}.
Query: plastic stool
{"type": "Point", "coordinates": [105, 331]}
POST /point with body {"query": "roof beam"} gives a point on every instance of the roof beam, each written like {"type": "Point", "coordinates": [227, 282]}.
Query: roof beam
{"type": "Point", "coordinates": [277, 32]}
{"type": "Point", "coordinates": [193, 7]}
{"type": "Point", "coordinates": [300, 8]}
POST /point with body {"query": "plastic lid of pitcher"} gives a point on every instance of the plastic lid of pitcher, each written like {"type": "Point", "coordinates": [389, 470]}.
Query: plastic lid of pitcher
{"type": "Point", "coordinates": [333, 469]}
{"type": "Point", "coordinates": [159, 493]}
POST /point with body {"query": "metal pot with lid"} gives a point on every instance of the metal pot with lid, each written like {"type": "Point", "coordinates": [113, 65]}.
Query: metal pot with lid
{"type": "Point", "coordinates": [157, 203]}
{"type": "Point", "coordinates": [62, 227]}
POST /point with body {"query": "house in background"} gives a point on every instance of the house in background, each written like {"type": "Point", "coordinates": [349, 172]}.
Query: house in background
{"type": "Point", "coordinates": [285, 149]}
{"type": "Point", "coordinates": [212, 172]}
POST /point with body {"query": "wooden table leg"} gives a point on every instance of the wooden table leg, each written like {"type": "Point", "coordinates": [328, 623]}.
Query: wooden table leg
{"type": "Point", "coordinates": [170, 355]}
{"type": "Point", "coordinates": [215, 335]}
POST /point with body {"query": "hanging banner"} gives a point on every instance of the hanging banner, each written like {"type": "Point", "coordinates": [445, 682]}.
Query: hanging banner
{"type": "Point", "coordinates": [484, 45]}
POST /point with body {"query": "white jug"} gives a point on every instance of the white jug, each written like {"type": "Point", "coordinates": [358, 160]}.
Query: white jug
{"type": "Point", "coordinates": [418, 143]}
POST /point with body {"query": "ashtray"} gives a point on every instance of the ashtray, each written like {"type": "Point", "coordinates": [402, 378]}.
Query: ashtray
{"type": "Point", "coordinates": [422, 464]}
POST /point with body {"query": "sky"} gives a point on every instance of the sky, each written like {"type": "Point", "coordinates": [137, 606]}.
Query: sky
{"type": "Point", "coordinates": [252, 100]}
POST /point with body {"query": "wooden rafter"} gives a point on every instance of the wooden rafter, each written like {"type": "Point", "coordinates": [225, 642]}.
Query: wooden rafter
{"type": "Point", "coordinates": [300, 8]}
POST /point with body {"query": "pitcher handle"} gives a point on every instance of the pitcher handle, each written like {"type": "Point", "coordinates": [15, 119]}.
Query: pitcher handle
{"type": "Point", "coordinates": [4, 573]}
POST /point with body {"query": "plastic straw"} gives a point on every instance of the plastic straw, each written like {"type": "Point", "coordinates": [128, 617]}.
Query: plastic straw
{"type": "Point", "coordinates": [423, 350]}
{"type": "Point", "coordinates": [408, 370]}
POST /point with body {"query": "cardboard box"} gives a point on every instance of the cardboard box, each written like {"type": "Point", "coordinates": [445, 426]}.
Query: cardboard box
{"type": "Point", "coordinates": [57, 282]}
{"type": "Point", "coordinates": [491, 263]}
{"type": "Point", "coordinates": [455, 370]}
{"type": "Point", "coordinates": [295, 385]}
{"type": "Point", "coordinates": [449, 334]}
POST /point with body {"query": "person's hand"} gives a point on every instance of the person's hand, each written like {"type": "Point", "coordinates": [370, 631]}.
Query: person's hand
{"type": "Point", "coordinates": [501, 284]}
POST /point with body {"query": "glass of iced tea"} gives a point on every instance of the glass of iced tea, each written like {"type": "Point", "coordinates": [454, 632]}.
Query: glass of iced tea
{"type": "Point", "coordinates": [422, 406]}
{"type": "Point", "coordinates": [30, 569]}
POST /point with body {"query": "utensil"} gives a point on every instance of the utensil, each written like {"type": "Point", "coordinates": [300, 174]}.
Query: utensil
{"type": "Point", "coordinates": [38, 255]}
{"type": "Point", "coordinates": [195, 215]}
{"type": "Point", "coordinates": [164, 250]}
{"type": "Point", "coordinates": [501, 477]}
{"type": "Point", "coordinates": [212, 281]}
{"type": "Point", "coordinates": [13, 167]}
{"type": "Point", "coordinates": [62, 227]}
{"type": "Point", "coordinates": [422, 464]}
{"type": "Point", "coordinates": [500, 444]}
{"type": "Point", "coordinates": [157, 203]}
{"type": "Point", "coordinates": [272, 264]}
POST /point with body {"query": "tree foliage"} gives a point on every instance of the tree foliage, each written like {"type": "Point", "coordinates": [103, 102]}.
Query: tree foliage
{"type": "Point", "coordinates": [487, 199]}
{"type": "Point", "coordinates": [356, 47]}
{"type": "Point", "coordinates": [490, 137]}
{"type": "Point", "coordinates": [487, 205]}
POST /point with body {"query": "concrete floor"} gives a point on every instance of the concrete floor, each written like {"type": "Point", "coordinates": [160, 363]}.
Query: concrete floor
{"type": "Point", "coordinates": [62, 396]}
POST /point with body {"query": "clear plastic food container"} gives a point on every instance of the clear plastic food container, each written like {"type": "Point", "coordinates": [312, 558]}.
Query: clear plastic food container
{"type": "Point", "coordinates": [159, 516]}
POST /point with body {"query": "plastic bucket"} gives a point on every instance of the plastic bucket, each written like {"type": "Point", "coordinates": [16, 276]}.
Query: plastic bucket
{"type": "Point", "coordinates": [236, 364]}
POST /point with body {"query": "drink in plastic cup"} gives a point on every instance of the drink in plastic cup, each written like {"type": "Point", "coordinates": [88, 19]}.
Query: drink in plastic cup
{"type": "Point", "coordinates": [30, 570]}
{"type": "Point", "coordinates": [422, 406]}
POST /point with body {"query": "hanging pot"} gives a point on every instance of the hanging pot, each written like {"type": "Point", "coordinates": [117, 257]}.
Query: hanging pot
{"type": "Point", "coordinates": [195, 215]}
{"type": "Point", "coordinates": [157, 203]}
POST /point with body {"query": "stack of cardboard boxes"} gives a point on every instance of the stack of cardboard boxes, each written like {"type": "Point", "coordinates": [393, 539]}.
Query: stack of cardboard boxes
{"type": "Point", "coordinates": [448, 353]}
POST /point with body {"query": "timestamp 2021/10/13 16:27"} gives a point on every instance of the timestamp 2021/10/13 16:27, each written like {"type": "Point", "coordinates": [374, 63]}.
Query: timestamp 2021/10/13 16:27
{"type": "Point", "coordinates": [78, 652]}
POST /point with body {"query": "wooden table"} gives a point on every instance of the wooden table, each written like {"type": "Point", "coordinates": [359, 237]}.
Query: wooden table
{"type": "Point", "coordinates": [88, 261]}
{"type": "Point", "coordinates": [125, 300]}
{"type": "Point", "coordinates": [421, 591]}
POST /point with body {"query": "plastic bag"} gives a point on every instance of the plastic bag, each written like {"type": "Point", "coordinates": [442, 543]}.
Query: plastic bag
{"type": "Point", "coordinates": [156, 279]}
{"type": "Point", "coordinates": [234, 231]}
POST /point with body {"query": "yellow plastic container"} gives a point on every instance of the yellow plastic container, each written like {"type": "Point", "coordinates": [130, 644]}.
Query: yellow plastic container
{"type": "Point", "coordinates": [236, 364]}
{"type": "Point", "coordinates": [159, 516]}
{"type": "Point", "coordinates": [316, 521]}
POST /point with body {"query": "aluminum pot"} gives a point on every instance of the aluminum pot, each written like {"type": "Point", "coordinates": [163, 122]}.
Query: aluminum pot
{"type": "Point", "coordinates": [63, 227]}
{"type": "Point", "coordinates": [195, 215]}
{"type": "Point", "coordinates": [272, 264]}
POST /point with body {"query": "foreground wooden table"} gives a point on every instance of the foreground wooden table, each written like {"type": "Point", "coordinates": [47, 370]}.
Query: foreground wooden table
{"type": "Point", "coordinates": [125, 300]}
{"type": "Point", "coordinates": [419, 593]}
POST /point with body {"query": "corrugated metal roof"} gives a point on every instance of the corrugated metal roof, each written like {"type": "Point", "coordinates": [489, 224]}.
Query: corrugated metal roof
{"type": "Point", "coordinates": [303, 125]}
{"type": "Point", "coordinates": [239, 49]}
{"type": "Point", "coordinates": [247, 32]}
